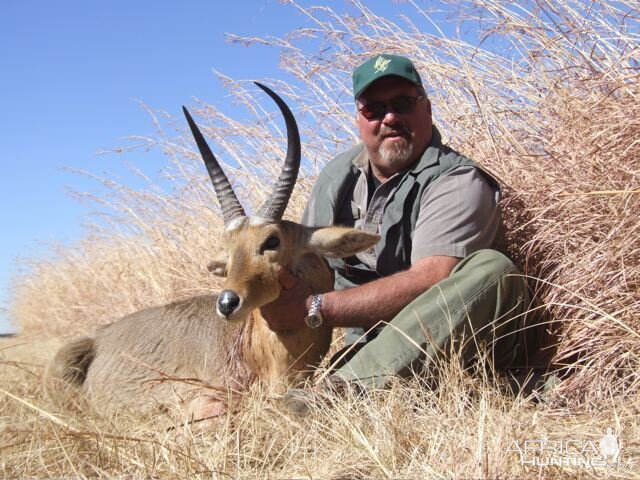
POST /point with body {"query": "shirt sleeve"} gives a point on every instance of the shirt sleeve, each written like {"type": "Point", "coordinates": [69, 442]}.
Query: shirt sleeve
{"type": "Point", "coordinates": [458, 215]}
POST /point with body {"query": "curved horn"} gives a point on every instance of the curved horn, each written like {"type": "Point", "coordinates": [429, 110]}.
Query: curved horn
{"type": "Point", "coordinates": [275, 205]}
{"type": "Point", "coordinates": [231, 208]}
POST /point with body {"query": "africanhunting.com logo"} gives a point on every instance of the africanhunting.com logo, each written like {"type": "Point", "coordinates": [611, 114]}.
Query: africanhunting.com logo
{"type": "Point", "coordinates": [569, 453]}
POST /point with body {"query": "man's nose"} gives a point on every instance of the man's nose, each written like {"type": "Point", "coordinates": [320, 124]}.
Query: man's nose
{"type": "Point", "coordinates": [391, 117]}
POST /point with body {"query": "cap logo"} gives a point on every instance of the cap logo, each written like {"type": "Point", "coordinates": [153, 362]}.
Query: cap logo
{"type": "Point", "coordinates": [381, 64]}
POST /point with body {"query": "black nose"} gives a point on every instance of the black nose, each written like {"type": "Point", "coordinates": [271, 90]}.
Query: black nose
{"type": "Point", "coordinates": [228, 301]}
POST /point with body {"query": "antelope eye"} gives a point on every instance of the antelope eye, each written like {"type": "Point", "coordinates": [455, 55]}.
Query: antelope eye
{"type": "Point", "coordinates": [271, 243]}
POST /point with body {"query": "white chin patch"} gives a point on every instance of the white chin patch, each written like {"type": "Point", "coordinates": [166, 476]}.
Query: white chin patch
{"type": "Point", "coordinates": [234, 316]}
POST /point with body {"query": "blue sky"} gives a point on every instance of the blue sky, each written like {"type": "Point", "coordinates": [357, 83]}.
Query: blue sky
{"type": "Point", "coordinates": [71, 74]}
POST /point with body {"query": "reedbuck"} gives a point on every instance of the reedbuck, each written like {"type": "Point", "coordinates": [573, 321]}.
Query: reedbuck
{"type": "Point", "coordinates": [150, 358]}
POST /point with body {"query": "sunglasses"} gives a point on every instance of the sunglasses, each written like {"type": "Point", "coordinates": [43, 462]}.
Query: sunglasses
{"type": "Point", "coordinates": [402, 105]}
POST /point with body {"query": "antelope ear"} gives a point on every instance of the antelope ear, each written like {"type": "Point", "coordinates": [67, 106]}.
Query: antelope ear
{"type": "Point", "coordinates": [340, 242]}
{"type": "Point", "coordinates": [218, 266]}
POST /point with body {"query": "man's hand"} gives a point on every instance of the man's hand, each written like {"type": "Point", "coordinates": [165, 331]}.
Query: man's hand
{"type": "Point", "coordinates": [287, 312]}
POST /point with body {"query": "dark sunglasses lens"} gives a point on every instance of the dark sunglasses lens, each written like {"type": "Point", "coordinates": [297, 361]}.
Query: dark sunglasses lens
{"type": "Point", "coordinates": [374, 110]}
{"type": "Point", "coordinates": [403, 105]}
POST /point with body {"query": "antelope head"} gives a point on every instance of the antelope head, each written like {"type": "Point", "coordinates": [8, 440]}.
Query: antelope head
{"type": "Point", "coordinates": [254, 247]}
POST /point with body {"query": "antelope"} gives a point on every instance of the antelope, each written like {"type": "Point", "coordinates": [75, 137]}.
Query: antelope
{"type": "Point", "coordinates": [221, 340]}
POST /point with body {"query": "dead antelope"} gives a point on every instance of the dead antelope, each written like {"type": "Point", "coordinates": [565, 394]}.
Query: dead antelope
{"type": "Point", "coordinates": [219, 339]}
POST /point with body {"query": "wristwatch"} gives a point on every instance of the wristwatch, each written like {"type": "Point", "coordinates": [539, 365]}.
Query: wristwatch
{"type": "Point", "coordinates": [314, 317]}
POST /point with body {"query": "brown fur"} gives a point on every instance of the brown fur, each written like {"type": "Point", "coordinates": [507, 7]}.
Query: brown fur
{"type": "Point", "coordinates": [152, 358]}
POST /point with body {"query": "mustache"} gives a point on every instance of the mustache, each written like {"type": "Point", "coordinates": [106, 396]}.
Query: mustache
{"type": "Point", "coordinates": [395, 130]}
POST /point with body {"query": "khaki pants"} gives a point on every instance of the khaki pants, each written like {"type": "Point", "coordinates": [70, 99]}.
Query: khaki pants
{"type": "Point", "coordinates": [484, 302]}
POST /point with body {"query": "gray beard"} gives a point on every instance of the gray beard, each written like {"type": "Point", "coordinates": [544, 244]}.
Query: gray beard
{"type": "Point", "coordinates": [396, 152]}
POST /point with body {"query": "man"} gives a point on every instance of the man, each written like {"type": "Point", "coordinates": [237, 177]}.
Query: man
{"type": "Point", "coordinates": [433, 278]}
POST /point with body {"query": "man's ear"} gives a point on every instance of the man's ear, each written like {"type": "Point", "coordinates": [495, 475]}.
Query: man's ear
{"type": "Point", "coordinates": [218, 266]}
{"type": "Point", "coordinates": [340, 242]}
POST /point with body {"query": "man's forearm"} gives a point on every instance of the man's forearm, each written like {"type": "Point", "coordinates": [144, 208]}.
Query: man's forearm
{"type": "Point", "coordinates": [382, 299]}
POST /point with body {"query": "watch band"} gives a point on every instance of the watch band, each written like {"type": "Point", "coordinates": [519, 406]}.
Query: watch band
{"type": "Point", "coordinates": [314, 317]}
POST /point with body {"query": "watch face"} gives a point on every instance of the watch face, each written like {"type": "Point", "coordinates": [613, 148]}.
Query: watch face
{"type": "Point", "coordinates": [313, 321]}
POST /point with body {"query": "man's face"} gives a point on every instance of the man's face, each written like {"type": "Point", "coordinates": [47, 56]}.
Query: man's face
{"type": "Point", "coordinates": [394, 141]}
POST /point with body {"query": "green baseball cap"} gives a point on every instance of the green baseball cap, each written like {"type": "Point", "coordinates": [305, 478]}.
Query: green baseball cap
{"type": "Point", "coordinates": [383, 66]}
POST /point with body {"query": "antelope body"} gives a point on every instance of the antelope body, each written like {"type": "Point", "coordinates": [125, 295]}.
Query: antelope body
{"type": "Point", "coordinates": [151, 358]}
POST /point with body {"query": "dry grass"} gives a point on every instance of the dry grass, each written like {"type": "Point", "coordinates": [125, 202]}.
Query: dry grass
{"type": "Point", "coordinates": [545, 96]}
{"type": "Point", "coordinates": [464, 429]}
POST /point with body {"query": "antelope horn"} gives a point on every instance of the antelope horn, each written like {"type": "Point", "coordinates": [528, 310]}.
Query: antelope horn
{"type": "Point", "coordinates": [275, 205]}
{"type": "Point", "coordinates": [231, 208]}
